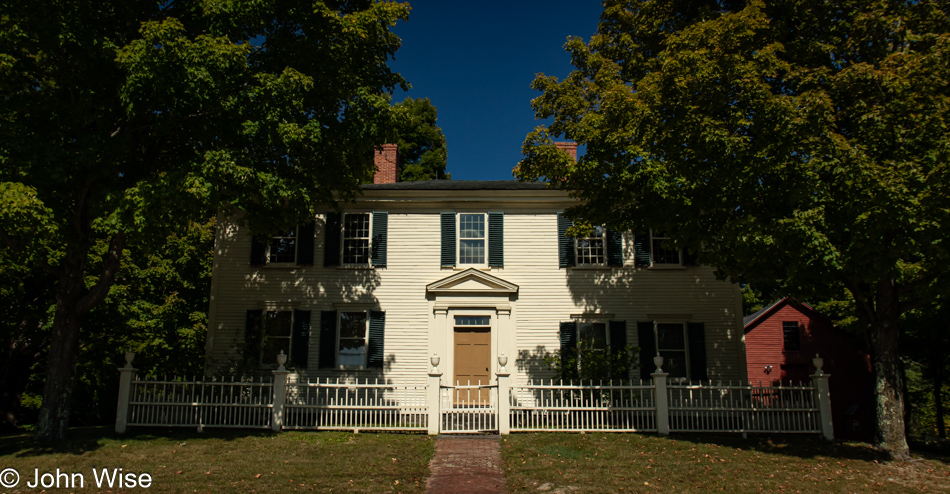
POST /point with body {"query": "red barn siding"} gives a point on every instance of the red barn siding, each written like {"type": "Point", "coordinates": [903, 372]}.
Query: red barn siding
{"type": "Point", "coordinates": [851, 379]}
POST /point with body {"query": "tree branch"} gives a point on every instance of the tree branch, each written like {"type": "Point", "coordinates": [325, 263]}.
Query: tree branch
{"type": "Point", "coordinates": [19, 250]}
{"type": "Point", "coordinates": [106, 279]}
{"type": "Point", "coordinates": [860, 300]}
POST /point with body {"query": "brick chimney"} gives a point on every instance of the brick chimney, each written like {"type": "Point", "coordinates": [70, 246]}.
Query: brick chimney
{"type": "Point", "coordinates": [570, 147]}
{"type": "Point", "coordinates": [387, 164]}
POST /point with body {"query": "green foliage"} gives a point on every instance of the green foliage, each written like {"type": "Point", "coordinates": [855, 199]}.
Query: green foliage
{"type": "Point", "coordinates": [593, 362]}
{"type": "Point", "coordinates": [804, 141]}
{"type": "Point", "coordinates": [422, 149]}
{"type": "Point", "coordinates": [122, 124]}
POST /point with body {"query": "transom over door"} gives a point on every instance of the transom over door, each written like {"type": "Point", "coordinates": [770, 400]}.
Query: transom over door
{"type": "Point", "coordinates": [472, 364]}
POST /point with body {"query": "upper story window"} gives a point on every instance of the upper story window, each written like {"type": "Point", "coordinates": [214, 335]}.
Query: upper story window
{"type": "Point", "coordinates": [287, 248]}
{"type": "Point", "coordinates": [592, 250]}
{"type": "Point", "coordinates": [282, 247]}
{"type": "Point", "coordinates": [604, 247]}
{"type": "Point", "coordinates": [791, 336]}
{"type": "Point", "coordinates": [661, 254]}
{"type": "Point", "coordinates": [472, 238]}
{"type": "Point", "coordinates": [356, 238]}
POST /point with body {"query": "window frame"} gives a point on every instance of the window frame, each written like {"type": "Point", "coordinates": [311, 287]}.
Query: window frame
{"type": "Point", "coordinates": [798, 336]}
{"type": "Point", "coordinates": [603, 248]}
{"type": "Point", "coordinates": [458, 241]}
{"type": "Point", "coordinates": [654, 236]}
{"type": "Point", "coordinates": [263, 336]}
{"type": "Point", "coordinates": [339, 331]}
{"type": "Point", "coordinates": [369, 242]}
{"type": "Point", "coordinates": [269, 245]}
{"type": "Point", "coordinates": [685, 349]}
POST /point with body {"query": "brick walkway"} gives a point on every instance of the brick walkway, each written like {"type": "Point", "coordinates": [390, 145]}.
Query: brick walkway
{"type": "Point", "coordinates": [466, 464]}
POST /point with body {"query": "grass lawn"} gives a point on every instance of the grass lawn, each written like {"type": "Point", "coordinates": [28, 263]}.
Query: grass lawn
{"type": "Point", "coordinates": [562, 463]}
{"type": "Point", "coordinates": [231, 461]}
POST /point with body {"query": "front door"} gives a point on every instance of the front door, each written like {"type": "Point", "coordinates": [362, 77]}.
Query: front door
{"type": "Point", "coordinates": [472, 362]}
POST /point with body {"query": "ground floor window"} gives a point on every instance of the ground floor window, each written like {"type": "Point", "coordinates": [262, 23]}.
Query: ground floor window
{"type": "Point", "coordinates": [352, 341]}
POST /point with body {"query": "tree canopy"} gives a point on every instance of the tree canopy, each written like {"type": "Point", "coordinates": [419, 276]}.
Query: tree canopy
{"type": "Point", "coordinates": [122, 121]}
{"type": "Point", "coordinates": [422, 151]}
{"type": "Point", "coordinates": [805, 141]}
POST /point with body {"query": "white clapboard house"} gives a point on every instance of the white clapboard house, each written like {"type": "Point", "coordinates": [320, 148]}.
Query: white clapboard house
{"type": "Point", "coordinates": [467, 271]}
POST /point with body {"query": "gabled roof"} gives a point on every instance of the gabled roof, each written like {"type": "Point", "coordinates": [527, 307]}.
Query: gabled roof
{"type": "Point", "coordinates": [471, 281]}
{"type": "Point", "coordinates": [459, 185]}
{"type": "Point", "coordinates": [752, 320]}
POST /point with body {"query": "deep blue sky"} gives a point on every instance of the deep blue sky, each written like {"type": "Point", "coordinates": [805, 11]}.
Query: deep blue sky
{"type": "Point", "coordinates": [476, 61]}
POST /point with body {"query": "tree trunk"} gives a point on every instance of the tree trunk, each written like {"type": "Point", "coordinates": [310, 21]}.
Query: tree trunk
{"type": "Point", "coordinates": [61, 366]}
{"type": "Point", "coordinates": [938, 401]}
{"type": "Point", "coordinates": [883, 329]}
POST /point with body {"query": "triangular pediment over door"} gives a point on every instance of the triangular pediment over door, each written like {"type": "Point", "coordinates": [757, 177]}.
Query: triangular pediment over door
{"type": "Point", "coordinates": [471, 281]}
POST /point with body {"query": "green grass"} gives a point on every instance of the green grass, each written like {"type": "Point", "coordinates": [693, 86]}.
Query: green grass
{"type": "Point", "coordinates": [633, 463]}
{"type": "Point", "coordinates": [233, 461]}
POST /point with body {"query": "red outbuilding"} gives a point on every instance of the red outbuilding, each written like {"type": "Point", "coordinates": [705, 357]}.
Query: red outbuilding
{"type": "Point", "coordinates": [782, 339]}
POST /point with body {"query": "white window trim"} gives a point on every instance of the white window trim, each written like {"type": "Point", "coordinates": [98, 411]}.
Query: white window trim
{"type": "Point", "coordinates": [656, 265]}
{"type": "Point", "coordinates": [577, 257]}
{"type": "Point", "coordinates": [458, 241]}
{"type": "Point", "coordinates": [656, 338]}
{"type": "Point", "coordinates": [369, 259]}
{"type": "Point", "coordinates": [339, 329]}
{"type": "Point", "coordinates": [270, 240]}
{"type": "Point", "coordinates": [262, 359]}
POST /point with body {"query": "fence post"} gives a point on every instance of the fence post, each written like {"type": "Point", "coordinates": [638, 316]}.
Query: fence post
{"type": "Point", "coordinates": [662, 397]}
{"type": "Point", "coordinates": [280, 393]}
{"type": "Point", "coordinates": [504, 396]}
{"type": "Point", "coordinates": [820, 381]}
{"type": "Point", "coordinates": [433, 395]}
{"type": "Point", "coordinates": [125, 389]}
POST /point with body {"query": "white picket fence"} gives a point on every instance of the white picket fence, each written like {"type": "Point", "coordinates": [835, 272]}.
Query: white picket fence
{"type": "Point", "coordinates": [432, 406]}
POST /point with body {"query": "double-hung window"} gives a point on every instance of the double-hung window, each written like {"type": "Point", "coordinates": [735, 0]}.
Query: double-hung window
{"type": "Point", "coordinates": [593, 335]}
{"type": "Point", "coordinates": [791, 336]}
{"type": "Point", "coordinates": [682, 346]}
{"type": "Point", "coordinates": [351, 344]}
{"type": "Point", "coordinates": [282, 247]}
{"type": "Point", "coordinates": [271, 331]}
{"type": "Point", "coordinates": [592, 250]}
{"type": "Point", "coordinates": [357, 232]}
{"type": "Point", "coordinates": [671, 345]}
{"type": "Point", "coordinates": [472, 239]}
{"type": "Point", "coordinates": [663, 255]}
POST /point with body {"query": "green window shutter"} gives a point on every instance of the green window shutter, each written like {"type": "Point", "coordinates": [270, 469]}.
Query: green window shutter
{"type": "Point", "coordinates": [380, 238]}
{"type": "Point", "coordinates": [331, 247]}
{"type": "Point", "coordinates": [300, 344]}
{"type": "Point", "coordinates": [646, 339]}
{"type": "Point", "coordinates": [448, 239]}
{"type": "Point", "coordinates": [696, 332]}
{"type": "Point", "coordinates": [568, 338]}
{"type": "Point", "coordinates": [496, 239]}
{"type": "Point", "coordinates": [618, 341]}
{"type": "Point", "coordinates": [377, 338]}
{"type": "Point", "coordinates": [641, 249]}
{"type": "Point", "coordinates": [614, 248]}
{"type": "Point", "coordinates": [252, 336]}
{"type": "Point", "coordinates": [327, 339]}
{"type": "Point", "coordinates": [258, 252]}
{"type": "Point", "coordinates": [565, 244]}
{"type": "Point", "coordinates": [305, 243]}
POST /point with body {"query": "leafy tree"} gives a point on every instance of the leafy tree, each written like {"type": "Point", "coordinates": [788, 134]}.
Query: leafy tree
{"type": "Point", "coordinates": [122, 121]}
{"type": "Point", "coordinates": [805, 141]}
{"type": "Point", "coordinates": [422, 151]}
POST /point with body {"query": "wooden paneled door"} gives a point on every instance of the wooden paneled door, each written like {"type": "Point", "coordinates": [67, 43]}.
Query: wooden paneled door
{"type": "Point", "coordinates": [472, 364]}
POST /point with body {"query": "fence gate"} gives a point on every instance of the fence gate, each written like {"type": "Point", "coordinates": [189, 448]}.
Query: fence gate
{"type": "Point", "coordinates": [469, 408]}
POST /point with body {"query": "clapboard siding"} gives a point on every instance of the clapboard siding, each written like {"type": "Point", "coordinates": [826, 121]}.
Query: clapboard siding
{"type": "Point", "coordinates": [547, 294]}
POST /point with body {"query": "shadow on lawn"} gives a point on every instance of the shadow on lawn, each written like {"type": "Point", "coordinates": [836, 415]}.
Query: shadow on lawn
{"type": "Point", "coordinates": [799, 446]}
{"type": "Point", "coordinates": [85, 439]}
